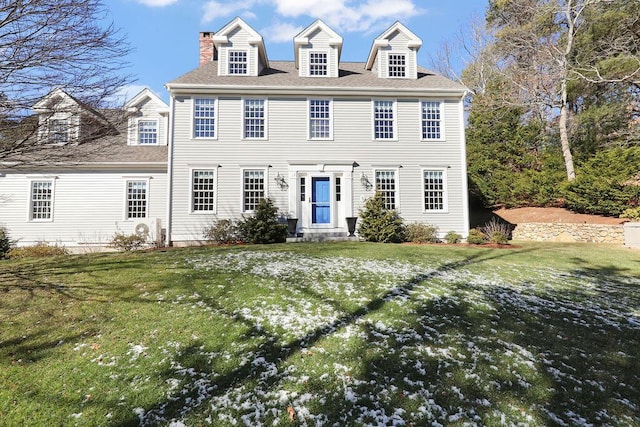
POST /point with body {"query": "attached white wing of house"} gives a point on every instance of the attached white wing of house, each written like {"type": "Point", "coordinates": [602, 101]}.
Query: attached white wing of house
{"type": "Point", "coordinates": [95, 173]}
{"type": "Point", "coordinates": [317, 135]}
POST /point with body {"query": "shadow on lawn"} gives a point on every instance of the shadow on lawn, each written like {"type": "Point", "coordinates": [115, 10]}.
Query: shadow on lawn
{"type": "Point", "coordinates": [477, 352]}
{"type": "Point", "coordinates": [276, 354]}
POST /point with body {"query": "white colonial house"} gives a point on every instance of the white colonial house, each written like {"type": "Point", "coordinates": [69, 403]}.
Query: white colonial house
{"type": "Point", "coordinates": [79, 191]}
{"type": "Point", "coordinates": [316, 135]}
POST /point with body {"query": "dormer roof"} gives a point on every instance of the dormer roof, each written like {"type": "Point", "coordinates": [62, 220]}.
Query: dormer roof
{"type": "Point", "coordinates": [382, 41]}
{"type": "Point", "coordinates": [143, 96]}
{"type": "Point", "coordinates": [59, 100]}
{"type": "Point", "coordinates": [222, 37]}
{"type": "Point", "coordinates": [302, 38]}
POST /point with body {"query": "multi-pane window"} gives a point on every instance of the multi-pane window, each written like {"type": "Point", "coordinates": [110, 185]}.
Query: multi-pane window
{"type": "Point", "coordinates": [434, 195]}
{"type": "Point", "coordinates": [317, 64]}
{"type": "Point", "coordinates": [338, 188]}
{"type": "Point", "coordinates": [58, 131]}
{"type": "Point", "coordinates": [136, 199]}
{"type": "Point", "coordinates": [431, 120]}
{"type": "Point", "coordinates": [253, 189]}
{"type": "Point", "coordinates": [204, 118]}
{"type": "Point", "coordinates": [254, 118]}
{"type": "Point", "coordinates": [319, 119]}
{"type": "Point", "coordinates": [41, 200]}
{"type": "Point", "coordinates": [237, 62]}
{"type": "Point", "coordinates": [203, 188]}
{"type": "Point", "coordinates": [397, 65]}
{"type": "Point", "coordinates": [383, 119]}
{"type": "Point", "coordinates": [147, 132]}
{"type": "Point", "coordinates": [386, 186]}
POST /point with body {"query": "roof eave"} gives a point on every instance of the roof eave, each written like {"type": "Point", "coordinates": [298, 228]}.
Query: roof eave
{"type": "Point", "coordinates": [188, 88]}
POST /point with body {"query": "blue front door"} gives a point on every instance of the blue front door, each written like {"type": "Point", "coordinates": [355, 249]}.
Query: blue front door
{"type": "Point", "coordinates": [321, 200]}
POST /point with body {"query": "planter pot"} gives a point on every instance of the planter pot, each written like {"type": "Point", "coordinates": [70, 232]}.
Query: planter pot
{"type": "Point", "coordinates": [351, 225]}
{"type": "Point", "coordinates": [292, 226]}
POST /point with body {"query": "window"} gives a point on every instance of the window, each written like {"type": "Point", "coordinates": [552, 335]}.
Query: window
{"type": "Point", "coordinates": [317, 64]}
{"type": "Point", "coordinates": [253, 189]}
{"type": "Point", "coordinates": [237, 62]}
{"type": "Point", "coordinates": [41, 199]}
{"type": "Point", "coordinates": [204, 118]}
{"type": "Point", "coordinates": [58, 131]}
{"type": "Point", "coordinates": [254, 118]}
{"type": "Point", "coordinates": [203, 190]}
{"type": "Point", "coordinates": [136, 199]}
{"type": "Point", "coordinates": [338, 188]}
{"type": "Point", "coordinates": [386, 186]}
{"type": "Point", "coordinates": [397, 65]}
{"type": "Point", "coordinates": [320, 119]}
{"type": "Point", "coordinates": [431, 119]}
{"type": "Point", "coordinates": [147, 132]}
{"type": "Point", "coordinates": [303, 189]}
{"type": "Point", "coordinates": [434, 195]}
{"type": "Point", "coordinates": [383, 124]}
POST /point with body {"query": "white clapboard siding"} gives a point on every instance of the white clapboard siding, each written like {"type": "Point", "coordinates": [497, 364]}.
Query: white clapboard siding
{"type": "Point", "coordinates": [288, 144]}
{"type": "Point", "coordinates": [88, 206]}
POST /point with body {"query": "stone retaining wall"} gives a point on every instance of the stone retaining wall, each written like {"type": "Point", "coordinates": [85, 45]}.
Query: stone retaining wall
{"type": "Point", "coordinates": [568, 232]}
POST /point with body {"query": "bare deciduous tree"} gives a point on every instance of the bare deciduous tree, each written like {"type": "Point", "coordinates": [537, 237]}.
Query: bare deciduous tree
{"type": "Point", "coordinates": [48, 44]}
{"type": "Point", "coordinates": [539, 39]}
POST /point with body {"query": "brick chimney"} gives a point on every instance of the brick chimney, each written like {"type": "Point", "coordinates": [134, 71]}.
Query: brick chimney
{"type": "Point", "coordinates": [207, 48]}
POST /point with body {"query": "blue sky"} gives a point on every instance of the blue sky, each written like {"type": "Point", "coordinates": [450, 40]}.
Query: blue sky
{"type": "Point", "coordinates": [164, 33]}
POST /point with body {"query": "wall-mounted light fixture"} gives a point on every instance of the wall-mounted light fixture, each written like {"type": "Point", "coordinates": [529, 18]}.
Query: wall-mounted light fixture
{"type": "Point", "coordinates": [366, 184]}
{"type": "Point", "coordinates": [280, 182]}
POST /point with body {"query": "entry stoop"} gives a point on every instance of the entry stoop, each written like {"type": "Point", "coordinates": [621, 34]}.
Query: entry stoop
{"type": "Point", "coordinates": [323, 237]}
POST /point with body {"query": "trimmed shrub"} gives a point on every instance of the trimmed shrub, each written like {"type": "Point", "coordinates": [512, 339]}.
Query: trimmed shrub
{"type": "Point", "coordinates": [5, 243]}
{"type": "Point", "coordinates": [128, 243]}
{"type": "Point", "coordinates": [379, 224]}
{"type": "Point", "coordinates": [39, 250]}
{"type": "Point", "coordinates": [263, 226]}
{"type": "Point", "coordinates": [476, 237]}
{"type": "Point", "coordinates": [222, 231]}
{"type": "Point", "coordinates": [632, 214]}
{"type": "Point", "coordinates": [496, 232]}
{"type": "Point", "coordinates": [421, 233]}
{"type": "Point", "coordinates": [452, 237]}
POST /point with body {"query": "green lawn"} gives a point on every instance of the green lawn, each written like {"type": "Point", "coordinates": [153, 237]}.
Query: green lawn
{"type": "Point", "coordinates": [323, 334]}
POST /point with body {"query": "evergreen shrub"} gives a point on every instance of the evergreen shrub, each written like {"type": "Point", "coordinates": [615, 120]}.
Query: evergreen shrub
{"type": "Point", "coordinates": [5, 243]}
{"type": "Point", "coordinates": [606, 183]}
{"type": "Point", "coordinates": [452, 237]}
{"type": "Point", "coordinates": [476, 237]}
{"type": "Point", "coordinates": [263, 226]}
{"type": "Point", "coordinates": [378, 224]}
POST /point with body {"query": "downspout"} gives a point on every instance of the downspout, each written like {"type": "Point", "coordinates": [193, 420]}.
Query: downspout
{"type": "Point", "coordinates": [465, 177]}
{"type": "Point", "coordinates": [168, 241]}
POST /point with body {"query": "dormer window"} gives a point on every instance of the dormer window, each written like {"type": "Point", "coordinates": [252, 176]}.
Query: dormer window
{"type": "Point", "coordinates": [147, 132]}
{"type": "Point", "coordinates": [58, 131]}
{"type": "Point", "coordinates": [237, 62]}
{"type": "Point", "coordinates": [397, 65]}
{"type": "Point", "coordinates": [318, 64]}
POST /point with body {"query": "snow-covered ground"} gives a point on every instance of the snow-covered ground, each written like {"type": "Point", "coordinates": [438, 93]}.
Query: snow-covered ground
{"type": "Point", "coordinates": [347, 341]}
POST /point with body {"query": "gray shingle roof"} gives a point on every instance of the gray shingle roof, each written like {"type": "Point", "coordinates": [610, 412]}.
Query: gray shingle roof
{"type": "Point", "coordinates": [284, 74]}
{"type": "Point", "coordinates": [103, 151]}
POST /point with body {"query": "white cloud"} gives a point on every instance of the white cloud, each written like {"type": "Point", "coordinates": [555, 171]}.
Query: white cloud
{"type": "Point", "coordinates": [214, 9]}
{"type": "Point", "coordinates": [157, 3]}
{"type": "Point", "coordinates": [281, 32]}
{"type": "Point", "coordinates": [342, 15]}
{"type": "Point", "coordinates": [349, 16]}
